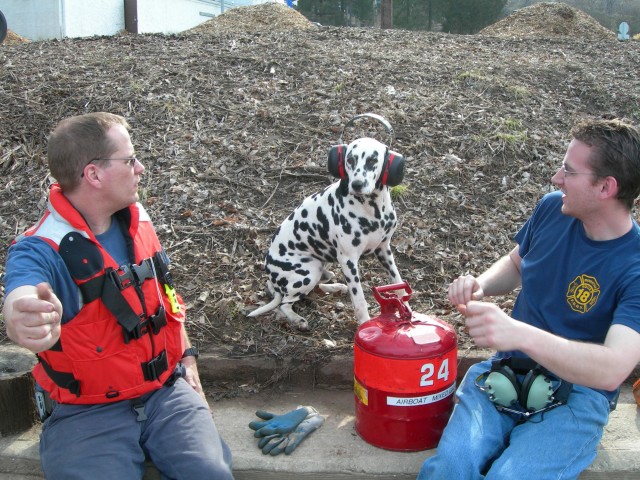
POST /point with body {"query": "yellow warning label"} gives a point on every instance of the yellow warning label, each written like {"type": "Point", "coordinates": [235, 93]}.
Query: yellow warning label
{"type": "Point", "coordinates": [360, 392]}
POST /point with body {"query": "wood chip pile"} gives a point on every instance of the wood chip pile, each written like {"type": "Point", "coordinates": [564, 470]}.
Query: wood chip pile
{"type": "Point", "coordinates": [549, 20]}
{"type": "Point", "coordinates": [265, 17]}
{"type": "Point", "coordinates": [13, 38]}
{"type": "Point", "coordinates": [234, 127]}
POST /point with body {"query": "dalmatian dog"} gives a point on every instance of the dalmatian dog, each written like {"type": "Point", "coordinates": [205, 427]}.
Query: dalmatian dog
{"type": "Point", "coordinates": [350, 218]}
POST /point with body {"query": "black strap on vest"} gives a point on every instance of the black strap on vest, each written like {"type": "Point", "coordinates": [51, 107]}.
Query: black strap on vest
{"type": "Point", "coordinates": [155, 367]}
{"type": "Point", "coordinates": [153, 322]}
{"type": "Point", "coordinates": [108, 288]}
{"type": "Point", "coordinates": [62, 379]}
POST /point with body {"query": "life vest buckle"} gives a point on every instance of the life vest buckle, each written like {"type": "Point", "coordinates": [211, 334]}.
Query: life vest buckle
{"type": "Point", "coordinates": [138, 331]}
{"type": "Point", "coordinates": [133, 274]}
{"type": "Point", "coordinates": [122, 280]}
{"type": "Point", "coordinates": [155, 322]}
{"type": "Point", "coordinates": [158, 320]}
{"type": "Point", "coordinates": [155, 367]}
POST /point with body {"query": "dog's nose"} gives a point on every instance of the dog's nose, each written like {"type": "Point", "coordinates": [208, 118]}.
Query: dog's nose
{"type": "Point", "coordinates": [357, 185]}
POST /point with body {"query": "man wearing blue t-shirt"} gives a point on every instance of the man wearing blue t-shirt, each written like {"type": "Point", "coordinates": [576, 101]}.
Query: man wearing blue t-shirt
{"type": "Point", "coordinates": [537, 409]}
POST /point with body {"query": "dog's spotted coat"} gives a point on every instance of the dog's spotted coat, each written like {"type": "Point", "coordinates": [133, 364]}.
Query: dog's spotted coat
{"type": "Point", "coordinates": [350, 218]}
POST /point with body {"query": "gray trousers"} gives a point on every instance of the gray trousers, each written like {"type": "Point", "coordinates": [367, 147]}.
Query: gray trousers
{"type": "Point", "coordinates": [107, 441]}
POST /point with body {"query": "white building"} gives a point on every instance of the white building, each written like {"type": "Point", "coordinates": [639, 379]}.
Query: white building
{"type": "Point", "coordinates": [57, 19]}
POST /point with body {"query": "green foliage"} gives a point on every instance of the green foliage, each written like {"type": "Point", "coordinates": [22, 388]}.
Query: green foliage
{"type": "Point", "coordinates": [512, 124]}
{"type": "Point", "coordinates": [398, 191]}
{"type": "Point", "coordinates": [338, 12]}
{"type": "Point", "coordinates": [470, 16]}
{"type": "Point", "coordinates": [326, 12]}
{"type": "Point", "coordinates": [512, 138]}
{"type": "Point", "coordinates": [511, 133]}
{"type": "Point", "coordinates": [493, 85]}
{"type": "Point", "coordinates": [417, 14]}
{"type": "Point", "coordinates": [472, 76]}
{"type": "Point", "coordinates": [455, 16]}
{"type": "Point", "coordinates": [517, 92]}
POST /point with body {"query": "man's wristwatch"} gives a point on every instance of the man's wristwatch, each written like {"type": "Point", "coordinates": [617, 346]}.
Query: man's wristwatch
{"type": "Point", "coordinates": [191, 352]}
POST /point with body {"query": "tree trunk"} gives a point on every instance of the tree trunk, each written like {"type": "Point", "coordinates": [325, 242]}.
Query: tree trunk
{"type": "Point", "coordinates": [17, 389]}
{"type": "Point", "coordinates": [386, 14]}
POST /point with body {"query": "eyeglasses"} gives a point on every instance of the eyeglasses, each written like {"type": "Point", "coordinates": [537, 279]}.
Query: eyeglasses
{"type": "Point", "coordinates": [131, 161]}
{"type": "Point", "coordinates": [567, 173]}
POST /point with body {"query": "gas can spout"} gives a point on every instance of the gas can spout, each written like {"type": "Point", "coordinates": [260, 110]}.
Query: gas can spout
{"type": "Point", "coordinates": [390, 302]}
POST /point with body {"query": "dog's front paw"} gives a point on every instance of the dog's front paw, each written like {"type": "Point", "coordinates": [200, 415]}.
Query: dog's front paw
{"type": "Point", "coordinates": [303, 325]}
{"type": "Point", "coordinates": [294, 319]}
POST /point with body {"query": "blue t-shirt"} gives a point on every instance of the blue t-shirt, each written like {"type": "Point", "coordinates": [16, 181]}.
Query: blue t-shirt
{"type": "Point", "coordinates": [572, 286]}
{"type": "Point", "coordinates": [32, 261]}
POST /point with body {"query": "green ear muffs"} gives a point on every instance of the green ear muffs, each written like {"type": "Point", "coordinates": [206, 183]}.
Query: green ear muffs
{"type": "Point", "coordinates": [502, 387]}
{"type": "Point", "coordinates": [536, 391]}
{"type": "Point", "coordinates": [539, 390]}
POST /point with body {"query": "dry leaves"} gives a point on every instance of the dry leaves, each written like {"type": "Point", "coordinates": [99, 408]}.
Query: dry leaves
{"type": "Point", "coordinates": [234, 125]}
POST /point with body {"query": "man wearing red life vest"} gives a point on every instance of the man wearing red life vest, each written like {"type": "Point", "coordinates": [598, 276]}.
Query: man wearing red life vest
{"type": "Point", "coordinates": [88, 289]}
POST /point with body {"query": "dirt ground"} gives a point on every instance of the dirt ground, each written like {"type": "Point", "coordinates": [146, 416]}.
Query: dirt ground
{"type": "Point", "coordinates": [233, 122]}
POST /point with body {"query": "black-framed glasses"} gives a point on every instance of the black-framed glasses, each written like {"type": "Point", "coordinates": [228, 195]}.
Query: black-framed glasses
{"type": "Point", "coordinates": [131, 161]}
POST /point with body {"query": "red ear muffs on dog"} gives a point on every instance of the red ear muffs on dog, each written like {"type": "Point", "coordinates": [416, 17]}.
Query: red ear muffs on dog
{"type": "Point", "coordinates": [393, 168]}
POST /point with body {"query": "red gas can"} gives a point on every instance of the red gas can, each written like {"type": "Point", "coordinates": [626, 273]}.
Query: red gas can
{"type": "Point", "coordinates": [405, 369]}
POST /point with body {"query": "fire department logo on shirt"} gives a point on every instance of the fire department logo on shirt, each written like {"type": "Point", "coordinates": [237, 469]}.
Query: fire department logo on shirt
{"type": "Point", "coordinates": [583, 293]}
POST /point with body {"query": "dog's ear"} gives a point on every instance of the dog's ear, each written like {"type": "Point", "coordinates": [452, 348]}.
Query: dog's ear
{"type": "Point", "coordinates": [335, 164]}
{"type": "Point", "coordinates": [393, 169]}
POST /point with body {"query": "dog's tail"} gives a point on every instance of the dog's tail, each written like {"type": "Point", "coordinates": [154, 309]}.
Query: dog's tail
{"type": "Point", "coordinates": [277, 299]}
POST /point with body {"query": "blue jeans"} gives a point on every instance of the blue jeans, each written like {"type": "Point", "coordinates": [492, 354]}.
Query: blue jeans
{"type": "Point", "coordinates": [107, 442]}
{"type": "Point", "coordinates": [481, 443]}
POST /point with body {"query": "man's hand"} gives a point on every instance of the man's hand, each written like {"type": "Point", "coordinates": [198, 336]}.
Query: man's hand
{"type": "Point", "coordinates": [489, 326]}
{"type": "Point", "coordinates": [464, 289]}
{"type": "Point", "coordinates": [32, 316]}
{"type": "Point", "coordinates": [192, 377]}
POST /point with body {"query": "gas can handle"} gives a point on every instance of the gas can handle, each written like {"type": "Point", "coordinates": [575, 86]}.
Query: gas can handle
{"type": "Point", "coordinates": [391, 303]}
{"type": "Point", "coordinates": [396, 286]}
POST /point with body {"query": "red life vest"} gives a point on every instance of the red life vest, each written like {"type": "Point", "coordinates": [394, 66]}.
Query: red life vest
{"type": "Point", "coordinates": [127, 337]}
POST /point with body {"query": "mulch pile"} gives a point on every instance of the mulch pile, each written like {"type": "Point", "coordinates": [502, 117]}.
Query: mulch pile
{"type": "Point", "coordinates": [549, 20]}
{"type": "Point", "coordinates": [13, 38]}
{"type": "Point", "coordinates": [234, 125]}
{"type": "Point", "coordinates": [265, 17]}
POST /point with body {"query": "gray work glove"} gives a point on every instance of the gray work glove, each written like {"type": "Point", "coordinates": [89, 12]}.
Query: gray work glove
{"type": "Point", "coordinates": [273, 423]}
{"type": "Point", "coordinates": [277, 443]}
